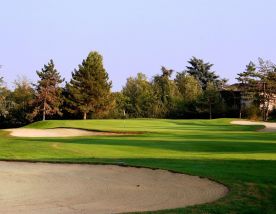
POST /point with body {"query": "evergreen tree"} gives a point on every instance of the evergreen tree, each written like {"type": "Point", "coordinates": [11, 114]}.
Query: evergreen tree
{"type": "Point", "coordinates": [247, 86]}
{"type": "Point", "coordinates": [89, 90]}
{"type": "Point", "coordinates": [48, 92]}
{"type": "Point", "coordinates": [202, 72]}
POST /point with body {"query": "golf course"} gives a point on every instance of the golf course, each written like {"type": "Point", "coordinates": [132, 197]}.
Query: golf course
{"type": "Point", "coordinates": [238, 157]}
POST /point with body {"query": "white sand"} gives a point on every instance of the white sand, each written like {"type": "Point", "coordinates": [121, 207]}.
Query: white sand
{"type": "Point", "coordinates": [28, 188]}
{"type": "Point", "coordinates": [269, 127]}
{"type": "Point", "coordinates": [57, 132]}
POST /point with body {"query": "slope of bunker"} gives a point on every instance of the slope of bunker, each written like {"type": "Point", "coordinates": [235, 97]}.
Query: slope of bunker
{"type": "Point", "coordinates": [58, 132]}
{"type": "Point", "coordinates": [269, 127]}
{"type": "Point", "coordinates": [43, 188]}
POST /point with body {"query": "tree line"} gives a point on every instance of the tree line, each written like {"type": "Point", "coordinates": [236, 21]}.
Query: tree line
{"type": "Point", "coordinates": [195, 92]}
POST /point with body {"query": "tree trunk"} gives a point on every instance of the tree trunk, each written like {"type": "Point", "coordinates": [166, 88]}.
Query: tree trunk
{"type": "Point", "coordinates": [266, 115]}
{"type": "Point", "coordinates": [267, 110]}
{"type": "Point", "coordinates": [44, 111]}
{"type": "Point", "coordinates": [210, 111]}
{"type": "Point", "coordinates": [84, 115]}
{"type": "Point", "coordinates": [264, 99]}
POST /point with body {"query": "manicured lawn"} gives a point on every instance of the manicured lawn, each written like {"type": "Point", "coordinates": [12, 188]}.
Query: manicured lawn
{"type": "Point", "coordinates": [236, 156]}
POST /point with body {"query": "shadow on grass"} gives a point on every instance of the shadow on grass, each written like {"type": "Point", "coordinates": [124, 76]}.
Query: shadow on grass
{"type": "Point", "coordinates": [191, 143]}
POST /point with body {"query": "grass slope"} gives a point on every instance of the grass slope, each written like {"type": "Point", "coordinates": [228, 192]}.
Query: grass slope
{"type": "Point", "coordinates": [236, 156]}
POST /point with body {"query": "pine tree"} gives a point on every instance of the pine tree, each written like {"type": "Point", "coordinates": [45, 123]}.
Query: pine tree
{"type": "Point", "coordinates": [202, 72]}
{"type": "Point", "coordinates": [48, 92]}
{"type": "Point", "coordinates": [89, 90]}
{"type": "Point", "coordinates": [247, 86]}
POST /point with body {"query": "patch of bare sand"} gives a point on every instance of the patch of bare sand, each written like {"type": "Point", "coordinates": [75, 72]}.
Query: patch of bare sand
{"type": "Point", "coordinates": [28, 188]}
{"type": "Point", "coordinates": [269, 127]}
{"type": "Point", "coordinates": [57, 132]}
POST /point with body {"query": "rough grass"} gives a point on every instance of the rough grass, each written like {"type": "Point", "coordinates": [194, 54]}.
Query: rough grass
{"type": "Point", "coordinates": [234, 155]}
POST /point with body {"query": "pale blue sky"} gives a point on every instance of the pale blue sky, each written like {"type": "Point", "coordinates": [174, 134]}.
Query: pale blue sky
{"type": "Point", "coordinates": [135, 35]}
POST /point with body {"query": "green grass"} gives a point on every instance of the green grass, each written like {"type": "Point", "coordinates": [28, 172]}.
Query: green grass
{"type": "Point", "coordinates": [237, 156]}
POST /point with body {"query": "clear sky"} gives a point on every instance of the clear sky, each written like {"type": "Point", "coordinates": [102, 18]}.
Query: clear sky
{"type": "Point", "coordinates": [134, 35]}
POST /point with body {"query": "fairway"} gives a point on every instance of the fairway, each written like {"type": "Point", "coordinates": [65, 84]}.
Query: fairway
{"type": "Point", "coordinates": [237, 156]}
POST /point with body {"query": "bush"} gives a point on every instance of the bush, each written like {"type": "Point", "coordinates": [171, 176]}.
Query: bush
{"type": "Point", "coordinates": [252, 112]}
{"type": "Point", "coordinates": [272, 115]}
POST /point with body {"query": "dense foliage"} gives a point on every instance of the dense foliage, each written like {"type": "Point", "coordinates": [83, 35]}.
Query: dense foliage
{"type": "Point", "coordinates": [89, 89]}
{"type": "Point", "coordinates": [258, 86]}
{"type": "Point", "coordinates": [195, 92]}
{"type": "Point", "coordinates": [47, 92]}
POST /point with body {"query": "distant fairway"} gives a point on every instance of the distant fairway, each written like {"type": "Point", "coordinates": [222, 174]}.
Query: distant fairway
{"type": "Point", "coordinates": [237, 156]}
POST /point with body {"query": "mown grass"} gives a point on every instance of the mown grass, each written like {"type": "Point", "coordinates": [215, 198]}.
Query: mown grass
{"type": "Point", "coordinates": [237, 156]}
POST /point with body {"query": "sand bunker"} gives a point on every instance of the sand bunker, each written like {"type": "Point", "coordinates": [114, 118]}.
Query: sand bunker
{"type": "Point", "coordinates": [57, 132]}
{"type": "Point", "coordinates": [27, 188]}
{"type": "Point", "coordinates": [269, 127]}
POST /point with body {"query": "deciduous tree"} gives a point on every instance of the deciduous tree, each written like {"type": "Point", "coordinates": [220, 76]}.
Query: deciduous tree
{"type": "Point", "coordinates": [22, 97]}
{"type": "Point", "coordinates": [188, 86]}
{"type": "Point", "coordinates": [139, 95]}
{"type": "Point", "coordinates": [165, 92]}
{"type": "Point", "coordinates": [211, 99]}
{"type": "Point", "coordinates": [259, 82]}
{"type": "Point", "coordinates": [3, 102]}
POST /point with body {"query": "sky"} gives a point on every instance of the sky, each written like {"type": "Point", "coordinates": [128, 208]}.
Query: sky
{"type": "Point", "coordinates": [134, 35]}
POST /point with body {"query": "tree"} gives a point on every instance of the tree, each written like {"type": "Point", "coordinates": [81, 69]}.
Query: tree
{"type": "Point", "coordinates": [247, 86]}
{"type": "Point", "coordinates": [210, 98]}
{"type": "Point", "coordinates": [118, 110]}
{"type": "Point", "coordinates": [138, 94]}
{"type": "Point", "coordinates": [190, 91]}
{"type": "Point", "coordinates": [165, 92]}
{"type": "Point", "coordinates": [3, 102]}
{"type": "Point", "coordinates": [202, 72]}
{"type": "Point", "coordinates": [89, 90]}
{"type": "Point", "coordinates": [48, 92]}
{"type": "Point", "coordinates": [188, 86]}
{"type": "Point", "coordinates": [22, 97]}
{"type": "Point", "coordinates": [259, 82]}
{"type": "Point", "coordinates": [267, 83]}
